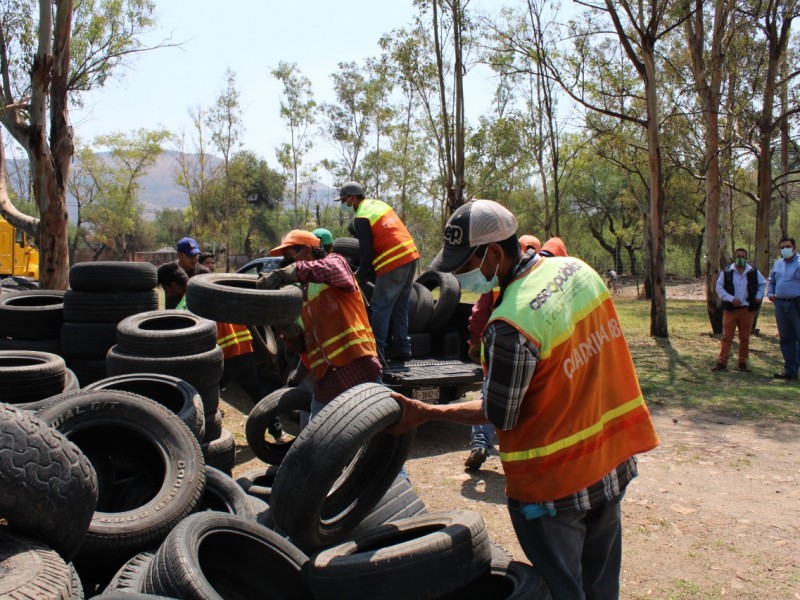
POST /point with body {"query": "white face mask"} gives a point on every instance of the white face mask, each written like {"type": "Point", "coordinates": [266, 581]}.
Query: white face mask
{"type": "Point", "coordinates": [474, 281]}
{"type": "Point", "coordinates": [787, 253]}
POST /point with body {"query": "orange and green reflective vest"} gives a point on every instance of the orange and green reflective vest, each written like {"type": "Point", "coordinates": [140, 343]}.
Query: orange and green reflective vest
{"type": "Point", "coordinates": [583, 413]}
{"type": "Point", "coordinates": [393, 245]}
{"type": "Point", "coordinates": [336, 328]}
{"type": "Point", "coordinates": [234, 339]}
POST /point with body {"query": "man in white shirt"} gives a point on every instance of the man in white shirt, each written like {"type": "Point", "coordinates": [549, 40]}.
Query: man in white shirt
{"type": "Point", "coordinates": [741, 289]}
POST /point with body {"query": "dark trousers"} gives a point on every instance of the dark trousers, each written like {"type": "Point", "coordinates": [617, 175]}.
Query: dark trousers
{"type": "Point", "coordinates": [578, 553]}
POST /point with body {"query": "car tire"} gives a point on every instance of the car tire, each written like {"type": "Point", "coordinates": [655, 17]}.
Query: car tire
{"type": "Point", "coordinates": [171, 392]}
{"type": "Point", "coordinates": [32, 315]}
{"type": "Point", "coordinates": [166, 333]}
{"type": "Point", "coordinates": [262, 415]}
{"type": "Point", "coordinates": [449, 296]}
{"type": "Point", "coordinates": [31, 570]}
{"type": "Point", "coordinates": [223, 494]}
{"type": "Point", "coordinates": [505, 578]}
{"type": "Point", "coordinates": [399, 502]}
{"type": "Point", "coordinates": [339, 467]}
{"type": "Point", "coordinates": [130, 576]}
{"type": "Point", "coordinates": [418, 557]}
{"type": "Point", "coordinates": [234, 298]}
{"type": "Point", "coordinates": [420, 309]}
{"type": "Point", "coordinates": [195, 561]}
{"type": "Point", "coordinates": [28, 376]}
{"type": "Point", "coordinates": [201, 370]}
{"type": "Point", "coordinates": [97, 307]}
{"type": "Point", "coordinates": [113, 276]}
{"type": "Point", "coordinates": [220, 453]}
{"type": "Point", "coordinates": [48, 488]}
{"type": "Point", "coordinates": [132, 429]}
{"type": "Point", "coordinates": [258, 482]}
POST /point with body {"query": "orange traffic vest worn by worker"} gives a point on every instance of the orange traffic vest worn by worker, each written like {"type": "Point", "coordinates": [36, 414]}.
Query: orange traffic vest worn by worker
{"type": "Point", "coordinates": [336, 328]}
{"type": "Point", "coordinates": [234, 339]}
{"type": "Point", "coordinates": [583, 413]}
{"type": "Point", "coordinates": [392, 243]}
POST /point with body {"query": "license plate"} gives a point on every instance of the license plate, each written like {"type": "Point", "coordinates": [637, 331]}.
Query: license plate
{"type": "Point", "coordinates": [426, 394]}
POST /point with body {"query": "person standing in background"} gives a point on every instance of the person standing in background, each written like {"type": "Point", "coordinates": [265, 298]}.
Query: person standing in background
{"type": "Point", "coordinates": [784, 291]}
{"type": "Point", "coordinates": [741, 288]}
{"type": "Point", "coordinates": [388, 252]}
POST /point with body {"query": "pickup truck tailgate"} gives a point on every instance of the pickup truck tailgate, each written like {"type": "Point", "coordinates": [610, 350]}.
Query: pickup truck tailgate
{"type": "Point", "coordinates": [432, 372]}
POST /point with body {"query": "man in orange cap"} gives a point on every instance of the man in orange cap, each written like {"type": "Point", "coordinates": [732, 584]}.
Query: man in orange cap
{"type": "Point", "coordinates": [336, 337]}
{"type": "Point", "coordinates": [554, 247]}
{"type": "Point", "coordinates": [529, 241]}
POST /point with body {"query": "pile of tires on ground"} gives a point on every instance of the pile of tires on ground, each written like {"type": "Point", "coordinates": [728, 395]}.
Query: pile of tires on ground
{"type": "Point", "coordinates": [105, 492]}
{"type": "Point", "coordinates": [101, 295]}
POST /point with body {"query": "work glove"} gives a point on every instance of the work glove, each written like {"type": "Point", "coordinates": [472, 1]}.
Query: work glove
{"type": "Point", "coordinates": [277, 278]}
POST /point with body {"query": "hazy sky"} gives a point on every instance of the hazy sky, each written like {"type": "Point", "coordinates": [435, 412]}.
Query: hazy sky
{"type": "Point", "coordinates": [250, 37]}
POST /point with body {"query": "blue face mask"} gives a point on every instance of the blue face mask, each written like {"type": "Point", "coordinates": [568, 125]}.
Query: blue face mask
{"type": "Point", "coordinates": [787, 253]}
{"type": "Point", "coordinates": [348, 210]}
{"type": "Point", "coordinates": [474, 281]}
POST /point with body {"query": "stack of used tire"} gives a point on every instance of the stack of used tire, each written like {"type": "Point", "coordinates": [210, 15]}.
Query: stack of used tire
{"type": "Point", "coordinates": [431, 312]}
{"type": "Point", "coordinates": [115, 484]}
{"type": "Point", "coordinates": [31, 320]}
{"type": "Point", "coordinates": [183, 345]}
{"type": "Point", "coordinates": [102, 294]}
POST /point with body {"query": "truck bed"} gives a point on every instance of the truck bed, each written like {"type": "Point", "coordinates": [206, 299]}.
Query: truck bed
{"type": "Point", "coordinates": [433, 380]}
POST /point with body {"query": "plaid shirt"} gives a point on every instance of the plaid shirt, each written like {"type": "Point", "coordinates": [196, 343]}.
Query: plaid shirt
{"type": "Point", "coordinates": [511, 360]}
{"type": "Point", "coordinates": [334, 271]}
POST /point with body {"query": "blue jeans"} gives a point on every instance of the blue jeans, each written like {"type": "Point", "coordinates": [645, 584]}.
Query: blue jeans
{"type": "Point", "coordinates": [389, 307]}
{"type": "Point", "coordinates": [578, 553]}
{"type": "Point", "coordinates": [482, 436]}
{"type": "Point", "coordinates": [787, 316]}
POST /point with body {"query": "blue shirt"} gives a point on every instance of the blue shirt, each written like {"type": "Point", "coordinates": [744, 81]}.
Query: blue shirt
{"type": "Point", "coordinates": [739, 285]}
{"type": "Point", "coordinates": [784, 278]}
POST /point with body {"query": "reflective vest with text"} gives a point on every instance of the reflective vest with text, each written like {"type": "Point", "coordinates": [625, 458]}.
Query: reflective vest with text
{"type": "Point", "coordinates": [583, 413]}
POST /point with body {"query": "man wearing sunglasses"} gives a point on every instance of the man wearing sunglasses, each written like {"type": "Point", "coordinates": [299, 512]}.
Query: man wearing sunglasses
{"type": "Point", "coordinates": [784, 291]}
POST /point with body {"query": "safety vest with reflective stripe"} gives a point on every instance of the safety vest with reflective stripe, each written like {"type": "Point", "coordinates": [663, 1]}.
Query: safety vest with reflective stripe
{"type": "Point", "coordinates": [583, 413]}
{"type": "Point", "coordinates": [335, 327]}
{"type": "Point", "coordinates": [393, 245]}
{"type": "Point", "coordinates": [234, 339]}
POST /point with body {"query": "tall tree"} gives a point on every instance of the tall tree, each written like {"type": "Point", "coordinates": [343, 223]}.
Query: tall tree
{"type": "Point", "coordinates": [772, 20]}
{"type": "Point", "coordinates": [224, 121]}
{"type": "Point", "coordinates": [298, 111]}
{"type": "Point", "coordinates": [48, 50]}
{"type": "Point", "coordinates": [196, 170]}
{"type": "Point", "coordinates": [707, 68]}
{"type": "Point", "coordinates": [638, 26]}
{"type": "Point", "coordinates": [116, 213]}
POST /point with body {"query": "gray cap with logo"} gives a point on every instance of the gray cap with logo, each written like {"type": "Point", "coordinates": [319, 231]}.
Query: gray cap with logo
{"type": "Point", "coordinates": [471, 225]}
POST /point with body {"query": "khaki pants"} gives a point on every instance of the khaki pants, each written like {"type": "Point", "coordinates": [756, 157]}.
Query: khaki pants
{"type": "Point", "coordinates": [740, 318]}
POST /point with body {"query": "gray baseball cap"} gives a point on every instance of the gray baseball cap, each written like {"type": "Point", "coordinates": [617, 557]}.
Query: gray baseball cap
{"type": "Point", "coordinates": [473, 224]}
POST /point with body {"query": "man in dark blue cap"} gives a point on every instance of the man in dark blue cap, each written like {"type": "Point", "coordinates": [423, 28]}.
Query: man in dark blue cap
{"type": "Point", "coordinates": [189, 257]}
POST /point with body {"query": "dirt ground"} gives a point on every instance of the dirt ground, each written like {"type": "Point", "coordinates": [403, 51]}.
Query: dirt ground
{"type": "Point", "coordinates": [714, 513]}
